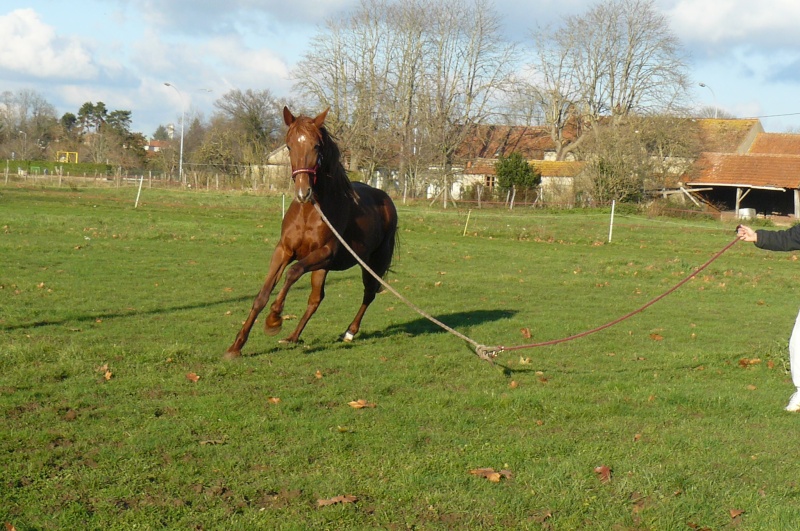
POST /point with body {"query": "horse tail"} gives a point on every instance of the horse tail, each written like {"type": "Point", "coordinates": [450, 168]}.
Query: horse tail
{"type": "Point", "coordinates": [386, 250]}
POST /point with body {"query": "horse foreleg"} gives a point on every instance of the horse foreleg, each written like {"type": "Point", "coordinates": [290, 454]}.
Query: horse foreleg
{"type": "Point", "coordinates": [318, 260]}
{"type": "Point", "coordinates": [371, 287]}
{"type": "Point", "coordinates": [278, 263]}
{"type": "Point", "coordinates": [314, 300]}
{"type": "Point", "coordinates": [274, 320]}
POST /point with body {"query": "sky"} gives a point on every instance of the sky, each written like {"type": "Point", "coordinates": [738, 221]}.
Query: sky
{"type": "Point", "coordinates": [121, 52]}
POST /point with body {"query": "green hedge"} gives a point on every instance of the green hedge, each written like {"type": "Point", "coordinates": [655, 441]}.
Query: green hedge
{"type": "Point", "coordinates": [38, 167]}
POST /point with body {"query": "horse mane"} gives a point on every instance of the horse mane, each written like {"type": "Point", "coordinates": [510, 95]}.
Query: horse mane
{"type": "Point", "coordinates": [332, 166]}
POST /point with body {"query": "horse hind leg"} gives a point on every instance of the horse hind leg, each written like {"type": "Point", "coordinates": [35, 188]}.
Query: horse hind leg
{"type": "Point", "coordinates": [371, 287]}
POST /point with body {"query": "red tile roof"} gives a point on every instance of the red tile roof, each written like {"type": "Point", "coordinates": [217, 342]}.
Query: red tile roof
{"type": "Point", "coordinates": [776, 144]}
{"type": "Point", "coordinates": [492, 141]}
{"type": "Point", "coordinates": [757, 171]}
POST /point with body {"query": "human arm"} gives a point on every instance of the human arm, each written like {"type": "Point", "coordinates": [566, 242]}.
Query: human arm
{"type": "Point", "coordinates": [771, 240]}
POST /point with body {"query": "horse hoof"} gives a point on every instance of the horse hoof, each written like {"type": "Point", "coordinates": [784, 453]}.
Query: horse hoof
{"type": "Point", "coordinates": [272, 330]}
{"type": "Point", "coordinates": [347, 337]}
{"type": "Point", "coordinates": [287, 341]}
{"type": "Point", "coordinates": [231, 354]}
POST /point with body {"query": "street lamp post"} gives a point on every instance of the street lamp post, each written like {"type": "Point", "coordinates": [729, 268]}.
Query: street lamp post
{"type": "Point", "coordinates": [24, 145]}
{"type": "Point", "coordinates": [714, 96]}
{"type": "Point", "coordinates": [183, 118]}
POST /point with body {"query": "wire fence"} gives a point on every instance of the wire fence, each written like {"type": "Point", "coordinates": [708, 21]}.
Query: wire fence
{"type": "Point", "coordinates": [276, 183]}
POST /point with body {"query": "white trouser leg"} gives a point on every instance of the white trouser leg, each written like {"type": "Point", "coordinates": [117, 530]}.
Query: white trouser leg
{"type": "Point", "coordinates": [794, 353]}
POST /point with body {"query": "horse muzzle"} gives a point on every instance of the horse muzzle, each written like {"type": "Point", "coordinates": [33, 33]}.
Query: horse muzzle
{"type": "Point", "coordinates": [303, 195]}
{"type": "Point", "coordinates": [303, 179]}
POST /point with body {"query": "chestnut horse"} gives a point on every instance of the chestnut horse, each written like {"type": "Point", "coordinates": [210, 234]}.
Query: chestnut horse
{"type": "Point", "coordinates": [364, 216]}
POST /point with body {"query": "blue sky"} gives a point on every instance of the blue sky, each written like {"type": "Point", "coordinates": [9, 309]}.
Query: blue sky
{"type": "Point", "coordinates": [122, 51]}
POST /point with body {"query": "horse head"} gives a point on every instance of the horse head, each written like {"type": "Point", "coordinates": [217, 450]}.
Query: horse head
{"type": "Point", "coordinates": [304, 142]}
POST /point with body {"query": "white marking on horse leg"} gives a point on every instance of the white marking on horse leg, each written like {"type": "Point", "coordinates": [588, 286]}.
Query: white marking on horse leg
{"type": "Point", "coordinates": [348, 337]}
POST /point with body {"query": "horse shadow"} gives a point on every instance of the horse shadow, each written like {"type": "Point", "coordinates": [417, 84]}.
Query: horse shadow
{"type": "Point", "coordinates": [93, 317]}
{"type": "Point", "coordinates": [456, 320]}
{"type": "Point", "coordinates": [459, 321]}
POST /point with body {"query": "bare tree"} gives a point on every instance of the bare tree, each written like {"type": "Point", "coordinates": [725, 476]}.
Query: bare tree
{"type": "Point", "coordinates": [397, 73]}
{"type": "Point", "coordinates": [618, 58]}
{"type": "Point", "coordinates": [28, 123]}
{"type": "Point", "coordinates": [470, 65]}
{"type": "Point", "coordinates": [255, 114]}
{"type": "Point", "coordinates": [639, 155]}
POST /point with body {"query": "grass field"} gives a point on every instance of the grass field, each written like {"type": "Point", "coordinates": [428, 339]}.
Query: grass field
{"type": "Point", "coordinates": [119, 411]}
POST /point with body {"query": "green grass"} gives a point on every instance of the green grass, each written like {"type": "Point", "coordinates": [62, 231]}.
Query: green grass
{"type": "Point", "coordinates": [89, 284]}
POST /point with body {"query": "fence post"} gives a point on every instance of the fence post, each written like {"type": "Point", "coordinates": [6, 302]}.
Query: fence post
{"type": "Point", "coordinates": [611, 224]}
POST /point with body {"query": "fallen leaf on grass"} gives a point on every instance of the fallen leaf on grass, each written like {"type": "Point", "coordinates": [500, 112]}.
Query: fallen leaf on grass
{"type": "Point", "coordinates": [318, 375]}
{"type": "Point", "coordinates": [212, 442]}
{"type": "Point", "coordinates": [192, 377]}
{"type": "Point", "coordinates": [10, 527]}
{"type": "Point", "coordinates": [542, 517]}
{"type": "Point", "coordinates": [656, 337]}
{"type": "Point", "coordinates": [746, 362]}
{"type": "Point", "coordinates": [526, 332]}
{"type": "Point", "coordinates": [524, 361]}
{"type": "Point", "coordinates": [107, 374]}
{"type": "Point", "coordinates": [639, 502]}
{"type": "Point", "coordinates": [491, 474]}
{"type": "Point", "coordinates": [513, 384]}
{"type": "Point", "coordinates": [360, 403]}
{"type": "Point", "coordinates": [336, 499]}
{"type": "Point", "coordinates": [274, 400]}
{"type": "Point", "coordinates": [736, 513]}
{"type": "Point", "coordinates": [603, 473]}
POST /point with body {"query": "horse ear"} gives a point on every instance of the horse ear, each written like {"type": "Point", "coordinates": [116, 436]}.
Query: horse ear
{"type": "Point", "coordinates": [320, 119]}
{"type": "Point", "coordinates": [288, 117]}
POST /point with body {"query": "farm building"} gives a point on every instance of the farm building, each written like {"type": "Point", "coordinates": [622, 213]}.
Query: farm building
{"type": "Point", "coordinates": [754, 170]}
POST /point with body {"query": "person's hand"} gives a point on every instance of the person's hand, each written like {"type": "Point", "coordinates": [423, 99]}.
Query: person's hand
{"type": "Point", "coordinates": [746, 234]}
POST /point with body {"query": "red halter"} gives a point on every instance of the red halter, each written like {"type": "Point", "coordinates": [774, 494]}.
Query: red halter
{"type": "Point", "coordinates": [312, 172]}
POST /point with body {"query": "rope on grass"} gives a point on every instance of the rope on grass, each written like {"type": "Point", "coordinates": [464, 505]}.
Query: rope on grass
{"type": "Point", "coordinates": [397, 294]}
{"type": "Point", "coordinates": [488, 353]}
{"type": "Point", "coordinates": [627, 315]}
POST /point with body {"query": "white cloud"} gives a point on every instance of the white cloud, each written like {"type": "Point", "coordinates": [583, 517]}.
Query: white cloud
{"type": "Point", "coordinates": [33, 48]}
{"type": "Point", "coordinates": [770, 22]}
{"type": "Point", "coordinates": [246, 66]}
